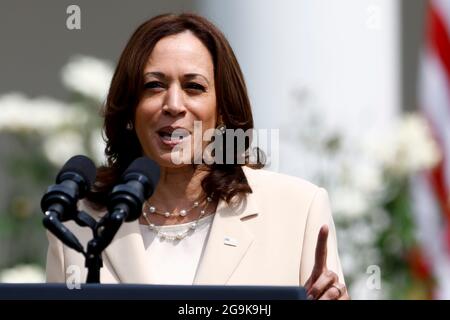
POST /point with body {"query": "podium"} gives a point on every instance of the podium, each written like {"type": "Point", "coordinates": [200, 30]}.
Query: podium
{"type": "Point", "coordinates": [53, 291]}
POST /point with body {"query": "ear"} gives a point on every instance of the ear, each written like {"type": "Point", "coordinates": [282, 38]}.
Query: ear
{"type": "Point", "coordinates": [219, 119]}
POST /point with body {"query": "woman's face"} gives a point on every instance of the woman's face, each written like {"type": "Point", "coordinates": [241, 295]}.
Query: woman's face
{"type": "Point", "coordinates": [179, 89]}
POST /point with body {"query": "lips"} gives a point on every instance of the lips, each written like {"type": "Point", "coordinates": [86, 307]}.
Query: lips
{"type": "Point", "coordinates": [171, 136]}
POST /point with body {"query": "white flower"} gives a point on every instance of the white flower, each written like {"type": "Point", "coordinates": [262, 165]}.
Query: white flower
{"type": "Point", "coordinates": [348, 202]}
{"type": "Point", "coordinates": [409, 148]}
{"type": "Point", "coordinates": [60, 146]}
{"type": "Point", "coordinates": [88, 76]}
{"type": "Point", "coordinates": [417, 149]}
{"type": "Point", "coordinates": [23, 274]}
{"type": "Point", "coordinates": [18, 113]}
{"type": "Point", "coordinates": [367, 177]}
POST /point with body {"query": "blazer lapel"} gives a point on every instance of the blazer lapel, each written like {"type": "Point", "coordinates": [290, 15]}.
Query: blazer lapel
{"type": "Point", "coordinates": [127, 255]}
{"type": "Point", "coordinates": [227, 244]}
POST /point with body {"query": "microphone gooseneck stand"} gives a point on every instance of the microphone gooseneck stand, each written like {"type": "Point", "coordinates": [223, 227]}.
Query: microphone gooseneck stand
{"type": "Point", "coordinates": [124, 205]}
{"type": "Point", "coordinates": [103, 233]}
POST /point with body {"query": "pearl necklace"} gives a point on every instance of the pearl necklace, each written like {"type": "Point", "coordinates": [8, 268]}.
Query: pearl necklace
{"type": "Point", "coordinates": [149, 209]}
{"type": "Point", "coordinates": [192, 226]}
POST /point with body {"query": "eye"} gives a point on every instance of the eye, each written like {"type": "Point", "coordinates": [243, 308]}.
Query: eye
{"type": "Point", "coordinates": [154, 85]}
{"type": "Point", "coordinates": [195, 87]}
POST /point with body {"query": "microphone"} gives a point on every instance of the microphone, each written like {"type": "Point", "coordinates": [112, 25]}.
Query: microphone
{"type": "Point", "coordinates": [124, 204]}
{"type": "Point", "coordinates": [59, 203]}
{"type": "Point", "coordinates": [72, 183]}
{"type": "Point", "coordinates": [138, 183]}
{"type": "Point", "coordinates": [126, 199]}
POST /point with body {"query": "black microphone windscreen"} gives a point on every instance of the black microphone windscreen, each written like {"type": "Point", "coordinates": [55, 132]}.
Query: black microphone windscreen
{"type": "Point", "coordinates": [146, 167]}
{"type": "Point", "coordinates": [81, 165]}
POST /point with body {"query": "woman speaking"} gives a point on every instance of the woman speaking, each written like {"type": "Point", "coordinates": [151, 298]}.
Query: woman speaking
{"type": "Point", "coordinates": [218, 223]}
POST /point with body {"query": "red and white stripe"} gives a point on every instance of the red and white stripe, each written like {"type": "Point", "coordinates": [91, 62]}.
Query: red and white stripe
{"type": "Point", "coordinates": [431, 189]}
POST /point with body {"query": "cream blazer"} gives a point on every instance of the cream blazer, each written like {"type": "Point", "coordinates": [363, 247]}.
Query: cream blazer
{"type": "Point", "coordinates": [274, 233]}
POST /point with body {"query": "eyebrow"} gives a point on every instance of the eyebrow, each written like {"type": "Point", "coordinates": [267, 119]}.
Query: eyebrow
{"type": "Point", "coordinates": [187, 75]}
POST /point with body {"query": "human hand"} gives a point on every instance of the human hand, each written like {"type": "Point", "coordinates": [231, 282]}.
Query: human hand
{"type": "Point", "coordinates": [323, 284]}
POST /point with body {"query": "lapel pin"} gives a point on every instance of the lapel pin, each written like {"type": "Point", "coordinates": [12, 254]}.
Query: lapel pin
{"type": "Point", "coordinates": [230, 242]}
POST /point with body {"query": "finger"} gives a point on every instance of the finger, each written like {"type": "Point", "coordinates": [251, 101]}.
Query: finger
{"type": "Point", "coordinates": [332, 293]}
{"type": "Point", "coordinates": [322, 284]}
{"type": "Point", "coordinates": [344, 297]}
{"type": "Point", "coordinates": [342, 291]}
{"type": "Point", "coordinates": [308, 284]}
{"type": "Point", "coordinates": [343, 288]}
{"type": "Point", "coordinates": [321, 251]}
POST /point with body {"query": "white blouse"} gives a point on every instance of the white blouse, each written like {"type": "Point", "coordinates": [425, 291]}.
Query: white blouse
{"type": "Point", "coordinates": [175, 261]}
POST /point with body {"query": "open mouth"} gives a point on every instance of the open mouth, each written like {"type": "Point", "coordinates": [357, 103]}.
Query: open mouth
{"type": "Point", "coordinates": [171, 135]}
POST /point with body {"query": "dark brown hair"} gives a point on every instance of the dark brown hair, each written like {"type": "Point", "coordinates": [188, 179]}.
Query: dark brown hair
{"type": "Point", "coordinates": [127, 86]}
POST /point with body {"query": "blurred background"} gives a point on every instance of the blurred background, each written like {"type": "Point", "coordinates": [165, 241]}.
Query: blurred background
{"type": "Point", "coordinates": [359, 90]}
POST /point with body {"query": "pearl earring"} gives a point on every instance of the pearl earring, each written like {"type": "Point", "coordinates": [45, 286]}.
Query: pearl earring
{"type": "Point", "coordinates": [222, 128]}
{"type": "Point", "coordinates": [129, 125]}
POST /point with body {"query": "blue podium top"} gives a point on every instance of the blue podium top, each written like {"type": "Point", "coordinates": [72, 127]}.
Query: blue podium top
{"type": "Point", "coordinates": [53, 291]}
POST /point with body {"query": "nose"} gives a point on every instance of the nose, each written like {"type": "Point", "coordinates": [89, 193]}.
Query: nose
{"type": "Point", "coordinates": [174, 103]}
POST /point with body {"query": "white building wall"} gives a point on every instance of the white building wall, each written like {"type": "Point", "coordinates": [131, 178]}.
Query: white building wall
{"type": "Point", "coordinates": [344, 53]}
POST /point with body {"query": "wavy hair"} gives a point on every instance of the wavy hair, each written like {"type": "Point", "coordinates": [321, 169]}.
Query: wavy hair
{"type": "Point", "coordinates": [224, 181]}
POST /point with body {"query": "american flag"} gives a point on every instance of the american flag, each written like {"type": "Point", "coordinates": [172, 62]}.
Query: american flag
{"type": "Point", "coordinates": [431, 189]}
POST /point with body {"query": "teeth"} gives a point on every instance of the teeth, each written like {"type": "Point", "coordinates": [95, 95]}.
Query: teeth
{"type": "Point", "coordinates": [168, 136]}
{"type": "Point", "coordinates": [173, 136]}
